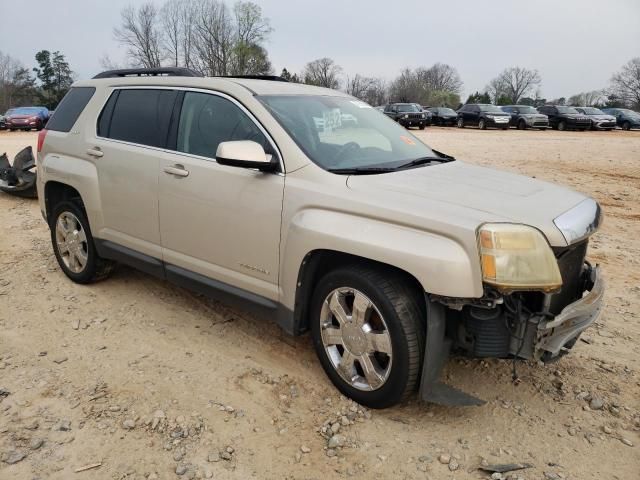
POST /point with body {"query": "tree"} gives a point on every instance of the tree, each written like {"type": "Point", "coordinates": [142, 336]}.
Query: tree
{"type": "Point", "coordinates": [513, 83]}
{"type": "Point", "coordinates": [442, 77]}
{"type": "Point", "coordinates": [322, 72]}
{"type": "Point", "coordinates": [438, 85]}
{"type": "Point", "coordinates": [289, 76]}
{"type": "Point", "coordinates": [17, 87]}
{"type": "Point", "coordinates": [250, 59]}
{"type": "Point", "coordinates": [625, 84]}
{"type": "Point", "coordinates": [478, 97]}
{"type": "Point", "coordinates": [368, 89]}
{"type": "Point", "coordinates": [140, 33]}
{"type": "Point", "coordinates": [55, 77]}
{"type": "Point", "coordinates": [588, 99]}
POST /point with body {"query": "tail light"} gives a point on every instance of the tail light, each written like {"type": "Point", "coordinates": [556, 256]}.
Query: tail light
{"type": "Point", "coordinates": [41, 134]}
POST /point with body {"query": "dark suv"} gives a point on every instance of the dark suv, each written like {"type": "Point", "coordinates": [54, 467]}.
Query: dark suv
{"type": "Point", "coordinates": [524, 116]}
{"type": "Point", "coordinates": [564, 118]}
{"type": "Point", "coordinates": [407, 114]}
{"type": "Point", "coordinates": [483, 115]}
{"type": "Point", "coordinates": [443, 116]}
{"type": "Point", "coordinates": [625, 118]}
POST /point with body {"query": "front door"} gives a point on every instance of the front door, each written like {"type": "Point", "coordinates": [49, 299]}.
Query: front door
{"type": "Point", "coordinates": [219, 221]}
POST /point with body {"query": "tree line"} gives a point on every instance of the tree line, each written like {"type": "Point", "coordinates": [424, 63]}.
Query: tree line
{"type": "Point", "coordinates": [49, 83]}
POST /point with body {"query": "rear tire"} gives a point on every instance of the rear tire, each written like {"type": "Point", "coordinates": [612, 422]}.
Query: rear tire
{"type": "Point", "coordinates": [460, 123]}
{"type": "Point", "coordinates": [522, 125]}
{"type": "Point", "coordinates": [389, 337]}
{"type": "Point", "coordinates": [626, 126]}
{"type": "Point", "coordinates": [562, 126]}
{"type": "Point", "coordinates": [73, 245]}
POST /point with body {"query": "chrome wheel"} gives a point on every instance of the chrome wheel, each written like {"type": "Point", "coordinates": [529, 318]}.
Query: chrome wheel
{"type": "Point", "coordinates": [356, 339]}
{"type": "Point", "coordinates": [71, 241]}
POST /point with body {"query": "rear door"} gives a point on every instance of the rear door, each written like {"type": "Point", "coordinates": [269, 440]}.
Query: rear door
{"type": "Point", "coordinates": [219, 221]}
{"type": "Point", "coordinates": [130, 144]}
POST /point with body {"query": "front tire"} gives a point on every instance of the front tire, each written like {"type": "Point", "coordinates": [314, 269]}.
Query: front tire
{"type": "Point", "coordinates": [460, 123]}
{"type": "Point", "coordinates": [73, 245]}
{"type": "Point", "coordinates": [522, 125]}
{"type": "Point", "coordinates": [368, 331]}
{"type": "Point", "coordinates": [562, 126]}
{"type": "Point", "coordinates": [482, 125]}
{"type": "Point", "coordinates": [626, 126]}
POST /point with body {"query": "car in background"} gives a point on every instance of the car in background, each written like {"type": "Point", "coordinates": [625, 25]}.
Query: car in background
{"type": "Point", "coordinates": [482, 115]}
{"type": "Point", "coordinates": [525, 116]}
{"type": "Point", "coordinates": [428, 114]}
{"type": "Point", "coordinates": [562, 117]}
{"type": "Point", "coordinates": [26, 118]}
{"type": "Point", "coordinates": [599, 119]}
{"type": "Point", "coordinates": [625, 118]}
{"type": "Point", "coordinates": [406, 114]}
{"type": "Point", "coordinates": [443, 116]}
{"type": "Point", "coordinates": [3, 124]}
{"type": "Point", "coordinates": [380, 108]}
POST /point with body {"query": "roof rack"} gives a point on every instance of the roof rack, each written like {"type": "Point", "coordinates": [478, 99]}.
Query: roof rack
{"type": "Point", "coordinates": [149, 72]}
{"type": "Point", "coordinates": [273, 78]}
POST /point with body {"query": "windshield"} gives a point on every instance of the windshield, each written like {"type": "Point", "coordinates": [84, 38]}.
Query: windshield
{"type": "Point", "coordinates": [562, 109]}
{"type": "Point", "coordinates": [446, 111]}
{"type": "Point", "coordinates": [592, 111]}
{"type": "Point", "coordinates": [630, 113]}
{"type": "Point", "coordinates": [527, 110]}
{"type": "Point", "coordinates": [490, 109]}
{"type": "Point", "coordinates": [24, 111]}
{"type": "Point", "coordinates": [411, 107]}
{"type": "Point", "coordinates": [344, 133]}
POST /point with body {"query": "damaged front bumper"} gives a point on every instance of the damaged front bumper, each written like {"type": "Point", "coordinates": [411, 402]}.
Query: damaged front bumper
{"type": "Point", "coordinates": [556, 336]}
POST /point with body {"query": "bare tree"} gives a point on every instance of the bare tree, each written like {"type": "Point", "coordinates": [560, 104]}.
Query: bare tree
{"type": "Point", "coordinates": [514, 83]}
{"type": "Point", "coordinates": [322, 72]}
{"type": "Point", "coordinates": [213, 40]}
{"type": "Point", "coordinates": [107, 63]}
{"type": "Point", "coordinates": [368, 89]}
{"type": "Point", "coordinates": [442, 77]}
{"type": "Point", "coordinates": [252, 27]}
{"type": "Point", "coordinates": [17, 87]}
{"type": "Point", "coordinates": [170, 18]}
{"type": "Point", "coordinates": [141, 35]}
{"type": "Point", "coordinates": [588, 99]}
{"type": "Point", "coordinates": [625, 84]}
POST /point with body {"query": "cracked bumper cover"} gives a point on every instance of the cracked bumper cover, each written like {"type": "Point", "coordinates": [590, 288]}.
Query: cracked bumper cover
{"type": "Point", "coordinates": [555, 335]}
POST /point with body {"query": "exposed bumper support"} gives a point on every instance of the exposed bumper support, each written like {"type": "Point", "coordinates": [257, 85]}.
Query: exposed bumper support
{"type": "Point", "coordinates": [436, 354]}
{"type": "Point", "coordinates": [553, 335]}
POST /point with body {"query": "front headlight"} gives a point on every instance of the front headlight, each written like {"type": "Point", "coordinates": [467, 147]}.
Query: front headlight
{"type": "Point", "coordinates": [405, 116]}
{"type": "Point", "coordinates": [517, 257]}
{"type": "Point", "coordinates": [423, 116]}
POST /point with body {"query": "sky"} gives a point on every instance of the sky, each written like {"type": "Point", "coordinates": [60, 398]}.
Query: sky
{"type": "Point", "coordinates": [575, 45]}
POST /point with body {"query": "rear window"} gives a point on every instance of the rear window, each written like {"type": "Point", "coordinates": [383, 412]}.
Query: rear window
{"type": "Point", "coordinates": [70, 108]}
{"type": "Point", "coordinates": [139, 116]}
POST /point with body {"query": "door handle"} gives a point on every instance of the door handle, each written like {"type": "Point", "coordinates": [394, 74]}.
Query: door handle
{"type": "Point", "coordinates": [95, 152]}
{"type": "Point", "coordinates": [177, 170]}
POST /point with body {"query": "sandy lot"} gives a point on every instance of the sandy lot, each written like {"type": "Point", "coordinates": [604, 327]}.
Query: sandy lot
{"type": "Point", "coordinates": [141, 379]}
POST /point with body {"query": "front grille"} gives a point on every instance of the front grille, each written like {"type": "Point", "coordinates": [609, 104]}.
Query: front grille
{"type": "Point", "coordinates": [415, 115]}
{"type": "Point", "coordinates": [570, 262]}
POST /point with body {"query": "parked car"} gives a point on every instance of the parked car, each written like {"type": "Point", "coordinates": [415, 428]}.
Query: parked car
{"type": "Point", "coordinates": [625, 118]}
{"type": "Point", "coordinates": [524, 116]}
{"type": "Point", "coordinates": [407, 114]}
{"type": "Point", "coordinates": [443, 116]}
{"type": "Point", "coordinates": [564, 118]}
{"type": "Point", "coordinates": [387, 251]}
{"type": "Point", "coordinates": [599, 119]}
{"type": "Point", "coordinates": [427, 113]}
{"type": "Point", "coordinates": [380, 108]}
{"type": "Point", "coordinates": [482, 115]}
{"type": "Point", "coordinates": [26, 118]}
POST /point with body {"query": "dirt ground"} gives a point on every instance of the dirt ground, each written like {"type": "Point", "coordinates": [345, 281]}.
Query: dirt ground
{"type": "Point", "coordinates": [143, 380]}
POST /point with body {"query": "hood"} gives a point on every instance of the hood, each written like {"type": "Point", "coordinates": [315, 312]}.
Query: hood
{"type": "Point", "coordinates": [533, 115]}
{"type": "Point", "coordinates": [478, 193]}
{"type": "Point", "coordinates": [600, 116]}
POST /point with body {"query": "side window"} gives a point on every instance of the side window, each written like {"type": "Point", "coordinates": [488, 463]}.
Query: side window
{"type": "Point", "coordinates": [70, 108]}
{"type": "Point", "coordinates": [139, 116]}
{"type": "Point", "coordinates": [207, 120]}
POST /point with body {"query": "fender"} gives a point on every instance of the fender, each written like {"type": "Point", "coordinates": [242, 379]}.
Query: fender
{"type": "Point", "coordinates": [440, 264]}
{"type": "Point", "coordinates": [79, 174]}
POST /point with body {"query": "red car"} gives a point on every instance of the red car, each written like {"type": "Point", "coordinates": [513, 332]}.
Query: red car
{"type": "Point", "coordinates": [26, 118]}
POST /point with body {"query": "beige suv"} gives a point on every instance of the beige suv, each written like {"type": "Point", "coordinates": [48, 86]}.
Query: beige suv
{"type": "Point", "coordinates": [311, 207]}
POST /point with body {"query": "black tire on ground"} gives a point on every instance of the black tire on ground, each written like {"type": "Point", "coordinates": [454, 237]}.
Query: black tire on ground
{"type": "Point", "coordinates": [626, 126]}
{"type": "Point", "coordinates": [504, 128]}
{"type": "Point", "coordinates": [96, 268]}
{"type": "Point", "coordinates": [421, 127]}
{"type": "Point", "coordinates": [400, 305]}
{"type": "Point", "coordinates": [482, 125]}
{"type": "Point", "coordinates": [522, 125]}
{"type": "Point", "coordinates": [543, 129]}
{"type": "Point", "coordinates": [460, 123]}
{"type": "Point", "coordinates": [562, 126]}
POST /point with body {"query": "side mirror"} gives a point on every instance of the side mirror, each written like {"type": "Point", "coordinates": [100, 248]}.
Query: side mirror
{"type": "Point", "coordinates": [245, 154]}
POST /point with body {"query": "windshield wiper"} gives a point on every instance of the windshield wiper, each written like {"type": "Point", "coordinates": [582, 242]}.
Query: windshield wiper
{"type": "Point", "coordinates": [441, 158]}
{"type": "Point", "coordinates": [362, 170]}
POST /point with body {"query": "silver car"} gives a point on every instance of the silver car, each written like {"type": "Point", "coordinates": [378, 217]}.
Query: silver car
{"type": "Point", "coordinates": [599, 119]}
